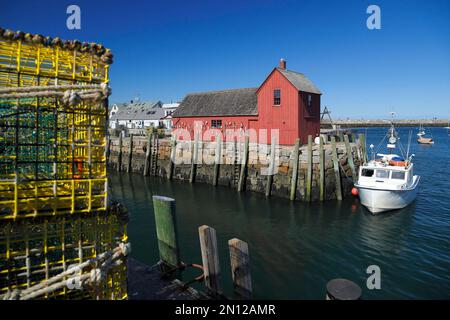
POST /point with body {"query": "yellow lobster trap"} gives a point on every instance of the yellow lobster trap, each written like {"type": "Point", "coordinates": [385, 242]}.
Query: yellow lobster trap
{"type": "Point", "coordinates": [53, 120]}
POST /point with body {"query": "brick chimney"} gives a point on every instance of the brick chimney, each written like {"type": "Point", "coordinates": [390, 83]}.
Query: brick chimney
{"type": "Point", "coordinates": [282, 64]}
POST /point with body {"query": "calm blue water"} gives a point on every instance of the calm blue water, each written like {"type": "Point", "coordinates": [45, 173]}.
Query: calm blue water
{"type": "Point", "coordinates": [297, 248]}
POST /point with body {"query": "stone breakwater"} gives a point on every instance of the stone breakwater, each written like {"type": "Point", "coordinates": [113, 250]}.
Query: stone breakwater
{"type": "Point", "coordinates": [229, 170]}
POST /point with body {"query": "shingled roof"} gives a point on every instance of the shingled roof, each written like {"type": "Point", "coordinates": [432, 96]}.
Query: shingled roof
{"type": "Point", "coordinates": [139, 111]}
{"type": "Point", "coordinates": [236, 102]}
{"type": "Point", "coordinates": [300, 81]}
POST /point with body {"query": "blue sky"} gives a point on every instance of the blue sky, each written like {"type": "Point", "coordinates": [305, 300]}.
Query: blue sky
{"type": "Point", "coordinates": [165, 49]}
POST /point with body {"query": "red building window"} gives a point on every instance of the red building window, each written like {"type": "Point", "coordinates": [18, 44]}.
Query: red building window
{"type": "Point", "coordinates": [216, 123]}
{"type": "Point", "coordinates": [277, 97]}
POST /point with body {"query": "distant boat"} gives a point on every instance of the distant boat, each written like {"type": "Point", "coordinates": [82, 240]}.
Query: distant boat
{"type": "Point", "coordinates": [421, 131]}
{"type": "Point", "coordinates": [423, 140]}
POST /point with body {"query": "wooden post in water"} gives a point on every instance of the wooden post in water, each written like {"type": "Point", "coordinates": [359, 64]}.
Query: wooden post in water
{"type": "Point", "coordinates": [173, 154]}
{"type": "Point", "coordinates": [166, 231]}
{"type": "Point", "coordinates": [322, 170]}
{"type": "Point", "coordinates": [348, 148]}
{"type": "Point", "coordinates": [343, 289]}
{"type": "Point", "coordinates": [295, 154]}
{"type": "Point", "coordinates": [240, 268]}
{"type": "Point", "coordinates": [130, 153]}
{"type": "Point", "coordinates": [271, 168]}
{"type": "Point", "coordinates": [148, 153]}
{"type": "Point", "coordinates": [210, 259]}
{"type": "Point", "coordinates": [309, 168]}
{"type": "Point", "coordinates": [217, 159]}
{"type": "Point", "coordinates": [194, 160]}
{"type": "Point", "coordinates": [243, 174]}
{"type": "Point", "coordinates": [362, 142]}
{"type": "Point", "coordinates": [337, 173]}
{"type": "Point", "coordinates": [119, 160]}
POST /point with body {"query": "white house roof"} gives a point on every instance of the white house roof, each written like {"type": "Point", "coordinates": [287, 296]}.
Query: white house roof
{"type": "Point", "coordinates": [139, 111]}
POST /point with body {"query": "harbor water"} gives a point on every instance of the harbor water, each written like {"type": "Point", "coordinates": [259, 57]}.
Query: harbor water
{"type": "Point", "coordinates": [295, 247]}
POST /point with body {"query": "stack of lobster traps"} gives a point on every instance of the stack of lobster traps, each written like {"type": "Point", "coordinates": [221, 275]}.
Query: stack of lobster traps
{"type": "Point", "coordinates": [58, 235]}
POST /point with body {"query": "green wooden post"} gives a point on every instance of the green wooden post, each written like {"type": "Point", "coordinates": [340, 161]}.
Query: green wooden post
{"type": "Point", "coordinates": [295, 155]}
{"type": "Point", "coordinates": [173, 154]}
{"type": "Point", "coordinates": [243, 173]}
{"type": "Point", "coordinates": [322, 170]}
{"type": "Point", "coordinates": [194, 160]}
{"type": "Point", "coordinates": [148, 154]}
{"type": "Point", "coordinates": [130, 153]}
{"type": "Point", "coordinates": [166, 232]}
{"type": "Point", "coordinates": [337, 173]}
{"type": "Point", "coordinates": [271, 168]}
{"type": "Point", "coordinates": [309, 168]}
{"type": "Point", "coordinates": [217, 159]}
{"type": "Point", "coordinates": [348, 148]}
{"type": "Point", "coordinates": [119, 160]}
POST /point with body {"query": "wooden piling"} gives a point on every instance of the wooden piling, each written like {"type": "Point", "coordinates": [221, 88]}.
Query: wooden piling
{"type": "Point", "coordinates": [348, 148]}
{"type": "Point", "coordinates": [309, 168]}
{"type": "Point", "coordinates": [343, 289]}
{"type": "Point", "coordinates": [119, 160]}
{"type": "Point", "coordinates": [217, 160]}
{"type": "Point", "coordinates": [337, 173]}
{"type": "Point", "coordinates": [210, 259]}
{"type": "Point", "coordinates": [295, 155]}
{"type": "Point", "coordinates": [240, 268]}
{"type": "Point", "coordinates": [130, 153]}
{"type": "Point", "coordinates": [271, 168]}
{"type": "Point", "coordinates": [173, 154]}
{"type": "Point", "coordinates": [148, 154]}
{"type": "Point", "coordinates": [243, 174]}
{"type": "Point", "coordinates": [321, 170]}
{"type": "Point", "coordinates": [166, 232]}
{"type": "Point", "coordinates": [194, 160]}
{"type": "Point", "coordinates": [362, 143]}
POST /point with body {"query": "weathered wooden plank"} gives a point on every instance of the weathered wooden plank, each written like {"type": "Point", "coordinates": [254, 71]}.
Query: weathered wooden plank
{"type": "Point", "coordinates": [148, 154]}
{"type": "Point", "coordinates": [362, 141]}
{"type": "Point", "coordinates": [240, 268]}
{"type": "Point", "coordinates": [173, 154]}
{"type": "Point", "coordinates": [194, 160]}
{"type": "Point", "coordinates": [294, 178]}
{"type": "Point", "coordinates": [309, 170]}
{"type": "Point", "coordinates": [321, 170]}
{"type": "Point", "coordinates": [350, 158]}
{"type": "Point", "coordinates": [130, 153]}
{"type": "Point", "coordinates": [271, 168]}
{"type": "Point", "coordinates": [337, 173]}
{"type": "Point", "coordinates": [166, 231]}
{"type": "Point", "coordinates": [217, 160]}
{"type": "Point", "coordinates": [210, 259]}
{"type": "Point", "coordinates": [243, 174]}
{"type": "Point", "coordinates": [119, 160]}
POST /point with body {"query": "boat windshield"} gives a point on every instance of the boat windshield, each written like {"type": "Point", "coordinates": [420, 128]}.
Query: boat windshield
{"type": "Point", "coordinates": [383, 174]}
{"type": "Point", "coordinates": [367, 172]}
{"type": "Point", "coordinates": [398, 175]}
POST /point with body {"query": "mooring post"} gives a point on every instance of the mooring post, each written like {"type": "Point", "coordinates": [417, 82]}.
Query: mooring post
{"type": "Point", "coordinates": [295, 155]}
{"type": "Point", "coordinates": [173, 155]}
{"type": "Point", "coordinates": [240, 268]}
{"type": "Point", "coordinates": [119, 160]}
{"type": "Point", "coordinates": [130, 153]}
{"type": "Point", "coordinates": [210, 259]}
{"type": "Point", "coordinates": [322, 170]}
{"type": "Point", "coordinates": [309, 168]}
{"type": "Point", "coordinates": [166, 232]}
{"type": "Point", "coordinates": [148, 152]}
{"type": "Point", "coordinates": [217, 159]}
{"type": "Point", "coordinates": [337, 173]}
{"type": "Point", "coordinates": [194, 159]}
{"type": "Point", "coordinates": [243, 174]}
{"type": "Point", "coordinates": [350, 158]}
{"type": "Point", "coordinates": [271, 168]}
{"type": "Point", "coordinates": [343, 289]}
{"type": "Point", "coordinates": [362, 143]}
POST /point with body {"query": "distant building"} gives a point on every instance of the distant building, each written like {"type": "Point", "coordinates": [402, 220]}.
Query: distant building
{"type": "Point", "coordinates": [169, 108]}
{"type": "Point", "coordinates": [137, 115]}
{"type": "Point", "coordinates": [286, 100]}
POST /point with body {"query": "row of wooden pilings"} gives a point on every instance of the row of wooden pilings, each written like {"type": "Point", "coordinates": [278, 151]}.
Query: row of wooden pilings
{"type": "Point", "coordinates": [151, 157]}
{"type": "Point", "coordinates": [171, 264]}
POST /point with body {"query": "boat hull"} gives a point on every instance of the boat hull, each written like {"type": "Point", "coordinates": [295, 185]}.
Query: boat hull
{"type": "Point", "coordinates": [382, 200]}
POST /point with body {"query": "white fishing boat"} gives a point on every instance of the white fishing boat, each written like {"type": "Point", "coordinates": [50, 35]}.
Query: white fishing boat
{"type": "Point", "coordinates": [387, 182]}
{"type": "Point", "coordinates": [421, 132]}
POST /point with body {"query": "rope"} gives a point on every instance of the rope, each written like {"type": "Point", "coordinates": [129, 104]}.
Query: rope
{"type": "Point", "coordinates": [72, 276]}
